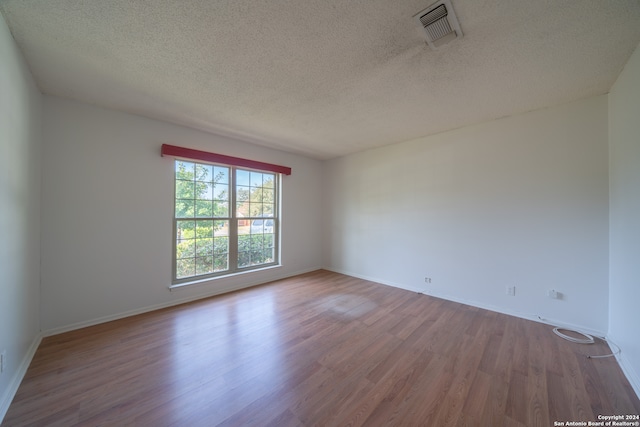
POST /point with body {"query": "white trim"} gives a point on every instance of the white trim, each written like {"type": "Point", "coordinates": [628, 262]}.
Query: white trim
{"type": "Point", "coordinates": [122, 315]}
{"type": "Point", "coordinates": [627, 368]}
{"type": "Point", "coordinates": [16, 380]}
{"type": "Point", "coordinates": [625, 365]}
{"type": "Point", "coordinates": [232, 220]}
{"type": "Point", "coordinates": [9, 394]}
{"type": "Point", "coordinates": [527, 316]}
{"type": "Point", "coordinates": [210, 280]}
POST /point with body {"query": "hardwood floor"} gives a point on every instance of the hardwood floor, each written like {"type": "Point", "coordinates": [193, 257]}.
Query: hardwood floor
{"type": "Point", "coordinates": [318, 349]}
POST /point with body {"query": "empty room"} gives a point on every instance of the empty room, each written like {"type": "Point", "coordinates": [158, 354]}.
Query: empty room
{"type": "Point", "coordinates": [319, 213]}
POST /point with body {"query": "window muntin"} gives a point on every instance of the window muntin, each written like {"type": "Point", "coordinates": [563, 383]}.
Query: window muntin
{"type": "Point", "coordinates": [225, 220]}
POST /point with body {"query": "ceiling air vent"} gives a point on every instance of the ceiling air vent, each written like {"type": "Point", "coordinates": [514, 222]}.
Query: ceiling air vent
{"type": "Point", "coordinates": [440, 23]}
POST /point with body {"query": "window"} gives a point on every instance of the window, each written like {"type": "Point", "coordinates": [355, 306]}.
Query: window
{"type": "Point", "coordinates": [225, 221]}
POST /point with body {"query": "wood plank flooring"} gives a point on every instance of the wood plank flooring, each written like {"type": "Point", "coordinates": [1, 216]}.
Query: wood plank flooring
{"type": "Point", "coordinates": [320, 349]}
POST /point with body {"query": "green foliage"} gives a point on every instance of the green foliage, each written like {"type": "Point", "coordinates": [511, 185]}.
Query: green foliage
{"type": "Point", "coordinates": [262, 199]}
{"type": "Point", "coordinates": [202, 193]}
{"type": "Point", "coordinates": [201, 190]}
{"type": "Point", "coordinates": [255, 249]}
{"type": "Point", "coordinates": [255, 194]}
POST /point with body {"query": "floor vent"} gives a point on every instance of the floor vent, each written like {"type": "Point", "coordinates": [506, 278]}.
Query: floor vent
{"type": "Point", "coordinates": [439, 23]}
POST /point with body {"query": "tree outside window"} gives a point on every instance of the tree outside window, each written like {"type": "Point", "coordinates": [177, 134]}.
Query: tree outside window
{"type": "Point", "coordinates": [225, 220]}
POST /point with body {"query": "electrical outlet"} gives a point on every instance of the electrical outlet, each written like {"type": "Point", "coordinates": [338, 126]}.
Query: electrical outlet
{"type": "Point", "coordinates": [427, 280]}
{"type": "Point", "coordinates": [3, 361]}
{"type": "Point", "coordinates": [553, 294]}
{"type": "Point", "coordinates": [511, 291]}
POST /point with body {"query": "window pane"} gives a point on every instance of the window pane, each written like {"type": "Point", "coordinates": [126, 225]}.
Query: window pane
{"type": "Point", "coordinates": [221, 248]}
{"type": "Point", "coordinates": [256, 257]}
{"type": "Point", "coordinates": [185, 229]}
{"type": "Point", "coordinates": [256, 247]}
{"type": "Point", "coordinates": [244, 227]}
{"type": "Point", "coordinates": [185, 268]}
{"type": "Point", "coordinates": [185, 170]}
{"type": "Point", "coordinates": [204, 229]}
{"type": "Point", "coordinates": [204, 247]}
{"type": "Point", "coordinates": [257, 226]}
{"type": "Point", "coordinates": [204, 208]}
{"type": "Point", "coordinates": [256, 179]}
{"type": "Point", "coordinates": [204, 265]}
{"type": "Point", "coordinates": [256, 242]}
{"type": "Point", "coordinates": [242, 202]}
{"type": "Point", "coordinates": [204, 172]}
{"type": "Point", "coordinates": [221, 262]}
{"type": "Point", "coordinates": [242, 178]}
{"type": "Point", "coordinates": [203, 193]}
{"type": "Point", "coordinates": [244, 259]}
{"type": "Point", "coordinates": [221, 245]}
{"type": "Point", "coordinates": [221, 192]}
{"type": "Point", "coordinates": [268, 241]}
{"type": "Point", "coordinates": [221, 228]}
{"type": "Point", "coordinates": [255, 209]}
{"type": "Point", "coordinates": [244, 246]}
{"type": "Point", "coordinates": [221, 209]}
{"type": "Point", "coordinates": [221, 175]}
{"type": "Point", "coordinates": [243, 193]}
{"type": "Point", "coordinates": [267, 255]}
{"type": "Point", "coordinates": [268, 196]}
{"type": "Point", "coordinates": [204, 190]}
{"type": "Point", "coordinates": [185, 208]}
{"type": "Point", "coordinates": [186, 249]}
{"type": "Point", "coordinates": [184, 189]}
{"type": "Point", "coordinates": [256, 194]}
{"type": "Point", "coordinates": [267, 226]}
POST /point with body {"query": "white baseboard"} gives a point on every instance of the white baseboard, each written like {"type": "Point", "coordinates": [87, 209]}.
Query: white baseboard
{"type": "Point", "coordinates": [8, 395]}
{"type": "Point", "coordinates": [632, 376]}
{"type": "Point", "coordinates": [472, 303]}
{"type": "Point", "coordinates": [626, 366]}
{"type": "Point", "coordinates": [122, 315]}
{"type": "Point", "coordinates": [10, 392]}
{"type": "Point", "coordinates": [14, 384]}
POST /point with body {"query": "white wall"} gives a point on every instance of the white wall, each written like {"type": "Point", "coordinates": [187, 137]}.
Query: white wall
{"type": "Point", "coordinates": [520, 201]}
{"type": "Point", "coordinates": [107, 214]}
{"type": "Point", "coordinates": [20, 134]}
{"type": "Point", "coordinates": [624, 190]}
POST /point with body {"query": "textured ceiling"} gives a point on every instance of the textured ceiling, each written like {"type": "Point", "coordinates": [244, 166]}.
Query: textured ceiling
{"type": "Point", "coordinates": [322, 78]}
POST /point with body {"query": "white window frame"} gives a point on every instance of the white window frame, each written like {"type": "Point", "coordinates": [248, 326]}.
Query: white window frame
{"type": "Point", "coordinates": [233, 218]}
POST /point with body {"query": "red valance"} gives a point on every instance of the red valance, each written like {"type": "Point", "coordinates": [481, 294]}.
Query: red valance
{"type": "Point", "coordinates": [191, 154]}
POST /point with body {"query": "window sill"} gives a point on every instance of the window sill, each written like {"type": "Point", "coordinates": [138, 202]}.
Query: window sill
{"type": "Point", "coordinates": [177, 286]}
